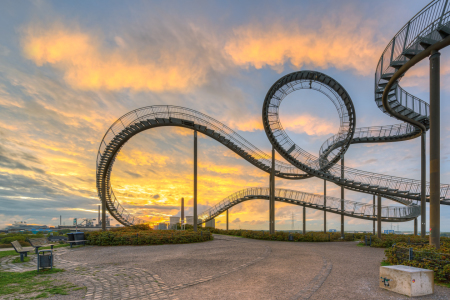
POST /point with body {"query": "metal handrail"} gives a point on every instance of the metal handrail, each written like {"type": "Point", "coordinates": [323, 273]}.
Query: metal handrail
{"type": "Point", "coordinates": [332, 203]}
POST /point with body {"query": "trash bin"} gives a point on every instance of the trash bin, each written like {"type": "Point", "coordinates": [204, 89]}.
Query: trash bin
{"type": "Point", "coordinates": [70, 237]}
{"type": "Point", "coordinates": [45, 259]}
{"type": "Point", "coordinates": [78, 236]}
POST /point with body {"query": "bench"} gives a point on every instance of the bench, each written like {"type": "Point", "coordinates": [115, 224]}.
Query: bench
{"type": "Point", "coordinates": [18, 247]}
{"type": "Point", "coordinates": [40, 242]}
{"type": "Point", "coordinates": [78, 241]}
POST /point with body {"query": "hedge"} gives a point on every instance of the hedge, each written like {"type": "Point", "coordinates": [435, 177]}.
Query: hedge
{"type": "Point", "coordinates": [143, 235]}
{"type": "Point", "coordinates": [422, 256]}
{"type": "Point", "coordinates": [388, 240]}
{"type": "Point", "coordinates": [284, 236]}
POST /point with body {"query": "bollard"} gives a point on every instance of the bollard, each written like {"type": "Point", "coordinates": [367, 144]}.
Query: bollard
{"type": "Point", "coordinates": [370, 242]}
{"type": "Point", "coordinates": [201, 233]}
{"type": "Point", "coordinates": [365, 240]}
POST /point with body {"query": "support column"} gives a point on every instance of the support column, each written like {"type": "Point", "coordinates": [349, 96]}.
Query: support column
{"type": "Point", "coordinates": [227, 219]}
{"type": "Point", "coordinates": [272, 195]}
{"type": "Point", "coordinates": [415, 226]}
{"type": "Point", "coordinates": [423, 187]}
{"type": "Point", "coordinates": [304, 218]}
{"type": "Point", "coordinates": [324, 206]}
{"type": "Point", "coordinates": [379, 217]}
{"type": "Point", "coordinates": [195, 180]}
{"type": "Point", "coordinates": [103, 209]}
{"type": "Point", "coordinates": [374, 214]}
{"type": "Point", "coordinates": [182, 211]}
{"type": "Point", "coordinates": [342, 198]}
{"type": "Point", "coordinates": [435, 168]}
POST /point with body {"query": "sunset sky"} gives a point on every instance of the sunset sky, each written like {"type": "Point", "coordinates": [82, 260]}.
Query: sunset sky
{"type": "Point", "coordinates": [68, 70]}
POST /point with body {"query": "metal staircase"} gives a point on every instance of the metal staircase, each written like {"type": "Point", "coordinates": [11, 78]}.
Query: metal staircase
{"type": "Point", "coordinates": [351, 208]}
{"type": "Point", "coordinates": [431, 25]}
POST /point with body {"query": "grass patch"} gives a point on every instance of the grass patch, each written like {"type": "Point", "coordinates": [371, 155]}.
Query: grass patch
{"type": "Point", "coordinates": [8, 253]}
{"type": "Point", "coordinates": [15, 283]}
{"type": "Point", "coordinates": [385, 263]}
{"type": "Point", "coordinates": [361, 244]}
{"type": "Point", "coordinates": [17, 260]}
{"type": "Point", "coordinates": [13, 252]}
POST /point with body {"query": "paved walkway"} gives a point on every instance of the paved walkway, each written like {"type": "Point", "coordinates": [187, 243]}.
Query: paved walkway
{"type": "Point", "coordinates": [226, 268]}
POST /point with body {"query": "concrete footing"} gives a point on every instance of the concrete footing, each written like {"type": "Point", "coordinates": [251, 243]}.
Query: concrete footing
{"type": "Point", "coordinates": [407, 280]}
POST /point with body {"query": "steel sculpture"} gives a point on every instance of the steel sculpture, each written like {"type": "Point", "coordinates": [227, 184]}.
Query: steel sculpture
{"type": "Point", "coordinates": [428, 31]}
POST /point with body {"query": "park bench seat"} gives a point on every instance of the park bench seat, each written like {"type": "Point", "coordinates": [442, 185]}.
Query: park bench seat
{"type": "Point", "coordinates": [18, 247]}
{"type": "Point", "coordinates": [40, 242]}
{"type": "Point", "coordinates": [72, 242]}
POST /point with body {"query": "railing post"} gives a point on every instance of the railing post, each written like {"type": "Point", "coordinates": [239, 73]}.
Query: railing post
{"type": "Point", "coordinates": [406, 36]}
{"type": "Point", "coordinates": [392, 50]}
{"type": "Point", "coordinates": [435, 149]}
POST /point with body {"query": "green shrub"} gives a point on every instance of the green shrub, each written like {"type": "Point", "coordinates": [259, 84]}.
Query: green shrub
{"type": "Point", "coordinates": [424, 256]}
{"type": "Point", "coordinates": [133, 236]}
{"type": "Point", "coordinates": [284, 236]}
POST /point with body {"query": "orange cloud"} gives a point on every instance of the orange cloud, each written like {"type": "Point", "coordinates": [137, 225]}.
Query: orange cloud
{"type": "Point", "coordinates": [310, 125]}
{"type": "Point", "coordinates": [87, 65]}
{"type": "Point", "coordinates": [348, 45]}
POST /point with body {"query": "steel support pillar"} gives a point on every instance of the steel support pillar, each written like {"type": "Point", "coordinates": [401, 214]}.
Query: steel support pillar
{"type": "Point", "coordinates": [415, 226]}
{"type": "Point", "coordinates": [227, 219]}
{"type": "Point", "coordinates": [304, 218]}
{"type": "Point", "coordinates": [379, 217]}
{"type": "Point", "coordinates": [374, 214]}
{"type": "Point", "coordinates": [435, 163]}
{"type": "Point", "coordinates": [182, 211]}
{"type": "Point", "coordinates": [423, 186]}
{"type": "Point", "coordinates": [272, 195]}
{"type": "Point", "coordinates": [324, 206]}
{"type": "Point", "coordinates": [342, 198]}
{"type": "Point", "coordinates": [195, 180]}
{"type": "Point", "coordinates": [103, 210]}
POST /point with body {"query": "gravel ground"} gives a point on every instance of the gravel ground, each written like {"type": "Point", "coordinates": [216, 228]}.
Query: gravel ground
{"type": "Point", "coordinates": [231, 268]}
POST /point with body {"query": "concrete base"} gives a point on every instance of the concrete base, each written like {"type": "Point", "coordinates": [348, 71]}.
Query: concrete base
{"type": "Point", "coordinates": [407, 280]}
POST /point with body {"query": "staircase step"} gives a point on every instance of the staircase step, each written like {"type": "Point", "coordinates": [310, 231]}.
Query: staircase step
{"type": "Point", "coordinates": [397, 64]}
{"type": "Point", "coordinates": [427, 42]}
{"type": "Point", "coordinates": [387, 76]}
{"type": "Point", "coordinates": [410, 53]}
{"type": "Point", "coordinates": [444, 31]}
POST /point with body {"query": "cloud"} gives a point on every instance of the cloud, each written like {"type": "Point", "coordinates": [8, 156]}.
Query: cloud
{"type": "Point", "coordinates": [88, 64]}
{"type": "Point", "coordinates": [309, 124]}
{"type": "Point", "coordinates": [343, 43]}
